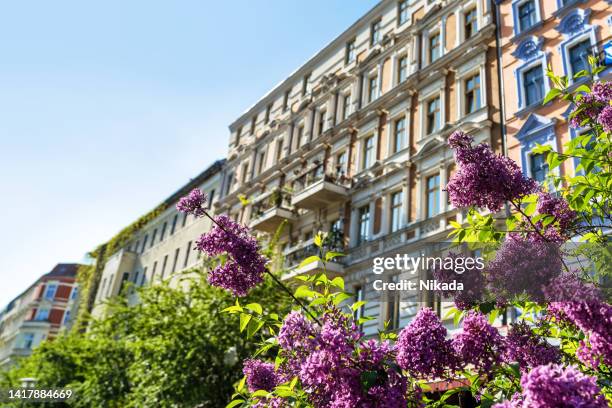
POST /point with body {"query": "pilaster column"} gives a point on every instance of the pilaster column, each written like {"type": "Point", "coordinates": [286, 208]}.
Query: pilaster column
{"type": "Point", "coordinates": [308, 122]}
{"type": "Point", "coordinates": [332, 103]}
{"type": "Point", "coordinates": [405, 203]}
{"type": "Point", "coordinates": [372, 214]}
{"type": "Point", "coordinates": [385, 212]}
{"type": "Point", "coordinates": [354, 227]}
{"type": "Point", "coordinates": [379, 79]}
{"type": "Point", "coordinates": [443, 193]}
{"type": "Point", "coordinates": [420, 208]}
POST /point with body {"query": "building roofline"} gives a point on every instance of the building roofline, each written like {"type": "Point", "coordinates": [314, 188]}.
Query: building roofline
{"type": "Point", "coordinates": [304, 68]}
{"type": "Point", "coordinates": [210, 171]}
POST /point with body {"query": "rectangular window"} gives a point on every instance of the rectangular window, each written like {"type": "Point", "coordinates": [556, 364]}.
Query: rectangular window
{"type": "Point", "coordinates": [341, 164]}
{"type": "Point", "coordinates": [433, 115]}
{"type": "Point", "coordinates": [578, 56]}
{"type": "Point", "coordinates": [211, 199]}
{"type": "Point", "coordinates": [364, 223]}
{"type": "Point", "coordinates": [174, 221]}
{"type": "Point", "coordinates": [470, 23]}
{"type": "Point", "coordinates": [286, 100]}
{"type": "Point", "coordinates": [279, 149]}
{"type": "Point", "coordinates": [539, 167]}
{"type": "Point", "coordinates": [228, 187]}
{"type": "Point", "coordinates": [153, 238]}
{"type": "Point", "coordinates": [50, 291]}
{"type": "Point", "coordinates": [268, 111]}
{"type": "Point", "coordinates": [322, 118]}
{"type": "Point", "coordinates": [368, 152]}
{"type": "Point", "coordinates": [375, 32]}
{"type": "Point", "coordinates": [527, 15]}
{"type": "Point", "coordinates": [350, 52]}
{"type": "Point", "coordinates": [402, 12]}
{"type": "Point", "coordinates": [472, 94]}
{"type": "Point", "coordinates": [42, 315]}
{"type": "Point", "coordinates": [434, 47]}
{"type": "Point", "coordinates": [187, 251]}
{"type": "Point", "coordinates": [396, 210]}
{"type": "Point", "coordinates": [346, 106]}
{"type": "Point", "coordinates": [66, 317]}
{"type": "Point", "coordinates": [124, 278]}
{"type": "Point", "coordinates": [176, 257]}
{"type": "Point", "coordinates": [245, 171]}
{"type": "Point", "coordinates": [163, 232]}
{"type": "Point", "coordinates": [533, 82]}
{"type": "Point", "coordinates": [144, 243]}
{"type": "Point", "coordinates": [305, 81]}
{"type": "Point", "coordinates": [372, 88]}
{"type": "Point", "coordinates": [238, 135]}
{"type": "Point", "coordinates": [300, 135]}
{"type": "Point", "coordinates": [153, 271]}
{"type": "Point", "coordinates": [253, 124]}
{"type": "Point", "coordinates": [393, 312]}
{"type": "Point", "coordinates": [75, 292]}
{"type": "Point", "coordinates": [262, 162]}
{"type": "Point", "coordinates": [433, 195]}
{"type": "Point", "coordinates": [399, 135]}
{"type": "Point", "coordinates": [359, 297]}
{"type": "Point", "coordinates": [163, 271]}
{"type": "Point", "coordinates": [28, 340]}
{"type": "Point", "coordinates": [402, 70]}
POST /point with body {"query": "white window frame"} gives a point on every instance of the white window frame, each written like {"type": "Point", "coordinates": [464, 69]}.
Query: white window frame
{"type": "Point", "coordinates": [515, 16]}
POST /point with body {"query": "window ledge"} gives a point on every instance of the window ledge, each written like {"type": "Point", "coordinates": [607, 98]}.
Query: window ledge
{"type": "Point", "coordinates": [518, 37]}
{"type": "Point", "coordinates": [531, 108]}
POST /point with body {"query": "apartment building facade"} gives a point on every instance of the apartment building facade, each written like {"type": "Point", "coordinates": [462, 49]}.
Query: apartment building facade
{"type": "Point", "coordinates": [535, 35]}
{"type": "Point", "coordinates": [162, 249]}
{"type": "Point", "coordinates": [354, 141]}
{"type": "Point", "coordinates": [39, 313]}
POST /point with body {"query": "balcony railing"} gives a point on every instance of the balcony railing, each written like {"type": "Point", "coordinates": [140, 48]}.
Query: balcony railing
{"type": "Point", "coordinates": [295, 255]}
{"type": "Point", "coordinates": [269, 211]}
{"type": "Point", "coordinates": [317, 188]}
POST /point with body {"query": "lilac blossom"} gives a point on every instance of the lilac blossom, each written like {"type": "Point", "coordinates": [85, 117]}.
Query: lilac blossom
{"type": "Point", "coordinates": [528, 349]}
{"type": "Point", "coordinates": [422, 347]}
{"type": "Point", "coordinates": [193, 203]}
{"type": "Point", "coordinates": [260, 375]}
{"type": "Point", "coordinates": [553, 386]}
{"type": "Point", "coordinates": [296, 333]}
{"type": "Point", "coordinates": [590, 106]}
{"type": "Point", "coordinates": [602, 91]}
{"type": "Point", "coordinates": [523, 266]}
{"type": "Point", "coordinates": [605, 118]}
{"type": "Point", "coordinates": [244, 267]}
{"type": "Point", "coordinates": [559, 208]}
{"type": "Point", "coordinates": [473, 284]}
{"type": "Point", "coordinates": [479, 343]}
{"type": "Point", "coordinates": [484, 179]}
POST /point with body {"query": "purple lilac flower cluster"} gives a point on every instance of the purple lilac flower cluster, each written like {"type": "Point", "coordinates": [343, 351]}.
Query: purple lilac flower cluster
{"type": "Point", "coordinates": [591, 106]}
{"type": "Point", "coordinates": [558, 208]}
{"type": "Point", "coordinates": [553, 386]}
{"type": "Point", "coordinates": [244, 267]}
{"type": "Point", "coordinates": [193, 203]}
{"type": "Point", "coordinates": [528, 349]}
{"type": "Point", "coordinates": [484, 179]}
{"type": "Point", "coordinates": [479, 343]}
{"type": "Point", "coordinates": [523, 266]}
{"type": "Point", "coordinates": [473, 283]}
{"type": "Point", "coordinates": [260, 375]}
{"type": "Point", "coordinates": [336, 368]}
{"type": "Point", "coordinates": [422, 347]}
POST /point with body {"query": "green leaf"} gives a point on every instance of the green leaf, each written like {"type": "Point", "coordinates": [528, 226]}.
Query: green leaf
{"type": "Point", "coordinates": [253, 327]}
{"type": "Point", "coordinates": [234, 403]}
{"type": "Point", "coordinates": [260, 393]}
{"type": "Point", "coordinates": [530, 209]}
{"type": "Point", "coordinates": [331, 255]}
{"type": "Point", "coordinates": [357, 305]}
{"type": "Point", "coordinates": [582, 88]}
{"type": "Point", "coordinates": [309, 260]}
{"type": "Point", "coordinates": [541, 149]}
{"type": "Point", "coordinates": [341, 297]}
{"type": "Point", "coordinates": [244, 320]}
{"type": "Point", "coordinates": [255, 307]}
{"type": "Point", "coordinates": [303, 292]}
{"type": "Point", "coordinates": [318, 240]}
{"type": "Point", "coordinates": [338, 282]}
{"type": "Point", "coordinates": [552, 94]}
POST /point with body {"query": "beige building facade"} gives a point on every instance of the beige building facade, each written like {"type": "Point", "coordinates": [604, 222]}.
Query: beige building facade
{"type": "Point", "coordinates": [353, 143]}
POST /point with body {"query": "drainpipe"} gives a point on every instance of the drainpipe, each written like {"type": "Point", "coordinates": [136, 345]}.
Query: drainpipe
{"type": "Point", "coordinates": [502, 103]}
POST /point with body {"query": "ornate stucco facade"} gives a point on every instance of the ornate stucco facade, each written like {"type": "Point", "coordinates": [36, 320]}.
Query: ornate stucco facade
{"type": "Point", "coordinates": [354, 141]}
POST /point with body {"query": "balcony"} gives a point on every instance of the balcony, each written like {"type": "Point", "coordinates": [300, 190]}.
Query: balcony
{"type": "Point", "coordinates": [295, 255]}
{"type": "Point", "coordinates": [316, 189]}
{"type": "Point", "coordinates": [270, 210]}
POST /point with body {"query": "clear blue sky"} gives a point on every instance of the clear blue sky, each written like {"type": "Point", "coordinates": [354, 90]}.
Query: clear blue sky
{"type": "Point", "coordinates": [107, 107]}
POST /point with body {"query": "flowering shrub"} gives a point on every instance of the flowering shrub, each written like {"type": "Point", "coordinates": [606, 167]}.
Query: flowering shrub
{"type": "Point", "coordinates": [558, 354]}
